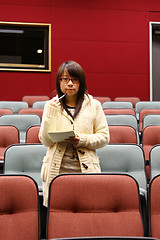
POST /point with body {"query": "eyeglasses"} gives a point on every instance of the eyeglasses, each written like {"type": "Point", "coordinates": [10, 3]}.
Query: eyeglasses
{"type": "Point", "coordinates": [66, 80]}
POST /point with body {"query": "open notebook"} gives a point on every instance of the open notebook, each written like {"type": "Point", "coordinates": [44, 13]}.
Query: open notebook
{"type": "Point", "coordinates": [61, 136]}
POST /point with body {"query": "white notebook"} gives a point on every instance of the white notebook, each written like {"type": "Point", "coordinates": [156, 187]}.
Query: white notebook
{"type": "Point", "coordinates": [61, 136]}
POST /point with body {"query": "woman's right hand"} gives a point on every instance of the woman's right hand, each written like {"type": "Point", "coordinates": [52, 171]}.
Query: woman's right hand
{"type": "Point", "coordinates": [54, 102]}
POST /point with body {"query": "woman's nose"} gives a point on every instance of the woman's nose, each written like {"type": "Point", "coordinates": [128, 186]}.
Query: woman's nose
{"type": "Point", "coordinates": [70, 82]}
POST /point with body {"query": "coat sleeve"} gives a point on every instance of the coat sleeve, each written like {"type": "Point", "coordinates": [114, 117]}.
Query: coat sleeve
{"type": "Point", "coordinates": [48, 123]}
{"type": "Point", "coordinates": [100, 136]}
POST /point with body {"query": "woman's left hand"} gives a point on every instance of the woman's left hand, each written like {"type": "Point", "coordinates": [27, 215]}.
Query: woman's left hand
{"type": "Point", "coordinates": [73, 140]}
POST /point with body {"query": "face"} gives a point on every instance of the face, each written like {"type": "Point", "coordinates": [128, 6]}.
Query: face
{"type": "Point", "coordinates": [71, 87]}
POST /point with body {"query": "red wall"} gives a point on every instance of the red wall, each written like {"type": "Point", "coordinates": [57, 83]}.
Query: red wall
{"type": "Point", "coordinates": [109, 38]}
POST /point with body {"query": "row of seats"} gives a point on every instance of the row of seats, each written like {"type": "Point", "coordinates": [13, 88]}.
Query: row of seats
{"type": "Point", "coordinates": [37, 111]}
{"type": "Point", "coordinates": [112, 119]}
{"type": "Point", "coordinates": [28, 133]}
{"type": "Point", "coordinates": [31, 99]}
{"type": "Point", "coordinates": [119, 158]}
{"type": "Point", "coordinates": [113, 116]}
{"type": "Point", "coordinates": [120, 103]}
{"type": "Point", "coordinates": [80, 205]}
{"type": "Point", "coordinates": [9, 134]}
{"type": "Point", "coordinates": [16, 106]}
{"type": "Point", "coordinates": [142, 108]}
{"type": "Point", "coordinates": [137, 107]}
{"type": "Point", "coordinates": [133, 100]}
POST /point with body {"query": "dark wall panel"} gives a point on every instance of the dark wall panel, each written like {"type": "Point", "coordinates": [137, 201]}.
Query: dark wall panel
{"type": "Point", "coordinates": [105, 57]}
{"type": "Point", "coordinates": [129, 84]}
{"type": "Point", "coordinates": [154, 5]}
{"type": "Point", "coordinates": [99, 25]}
{"type": "Point", "coordinates": [107, 43]}
{"type": "Point", "coordinates": [137, 5]}
{"type": "Point", "coordinates": [15, 85]}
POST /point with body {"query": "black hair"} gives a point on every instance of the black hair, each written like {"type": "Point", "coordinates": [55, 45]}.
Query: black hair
{"type": "Point", "coordinates": [74, 70]}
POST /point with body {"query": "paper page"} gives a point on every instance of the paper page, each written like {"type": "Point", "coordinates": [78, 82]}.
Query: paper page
{"type": "Point", "coordinates": [61, 136]}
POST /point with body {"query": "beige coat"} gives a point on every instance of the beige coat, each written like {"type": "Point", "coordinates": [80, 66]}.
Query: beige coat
{"type": "Point", "coordinates": [90, 125]}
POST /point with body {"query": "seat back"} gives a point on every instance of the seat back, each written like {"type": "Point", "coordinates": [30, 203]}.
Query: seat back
{"type": "Point", "coordinates": [150, 120]}
{"type": "Point", "coordinates": [5, 111]}
{"type": "Point", "coordinates": [121, 119]}
{"type": "Point", "coordinates": [124, 158]}
{"type": "Point", "coordinates": [15, 106]}
{"type": "Point", "coordinates": [37, 111]}
{"type": "Point", "coordinates": [19, 208]}
{"type": "Point", "coordinates": [39, 104]}
{"type": "Point", "coordinates": [114, 104]}
{"type": "Point", "coordinates": [146, 105]}
{"type": "Point", "coordinates": [82, 205]}
{"type": "Point", "coordinates": [102, 99]}
{"type": "Point", "coordinates": [22, 122]}
{"type": "Point", "coordinates": [119, 111]}
{"type": "Point", "coordinates": [25, 159]}
{"type": "Point", "coordinates": [8, 135]}
{"type": "Point", "coordinates": [123, 134]}
{"type": "Point", "coordinates": [30, 99]}
{"type": "Point", "coordinates": [154, 161]}
{"type": "Point", "coordinates": [133, 100]}
{"type": "Point", "coordinates": [32, 134]}
{"type": "Point", "coordinates": [150, 138]}
{"type": "Point", "coordinates": [154, 207]}
{"type": "Point", "coordinates": [145, 112]}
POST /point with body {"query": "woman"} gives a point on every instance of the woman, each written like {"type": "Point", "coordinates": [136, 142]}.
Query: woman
{"type": "Point", "coordinates": [76, 111]}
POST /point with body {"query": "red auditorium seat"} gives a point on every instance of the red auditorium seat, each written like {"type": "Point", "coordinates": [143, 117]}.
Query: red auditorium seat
{"type": "Point", "coordinates": [119, 111]}
{"type": "Point", "coordinates": [133, 100]}
{"type": "Point", "coordinates": [150, 138]}
{"type": "Point", "coordinates": [82, 205]}
{"type": "Point", "coordinates": [145, 112]}
{"type": "Point", "coordinates": [154, 207]}
{"type": "Point", "coordinates": [19, 208]}
{"type": "Point", "coordinates": [32, 134]}
{"type": "Point", "coordinates": [8, 135]}
{"type": "Point", "coordinates": [37, 111]}
{"type": "Point", "coordinates": [102, 99]}
{"type": "Point", "coordinates": [30, 99]}
{"type": "Point", "coordinates": [5, 111]}
{"type": "Point", "coordinates": [123, 134]}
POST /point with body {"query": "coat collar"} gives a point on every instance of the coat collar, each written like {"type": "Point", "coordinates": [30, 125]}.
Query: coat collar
{"type": "Point", "coordinates": [86, 101]}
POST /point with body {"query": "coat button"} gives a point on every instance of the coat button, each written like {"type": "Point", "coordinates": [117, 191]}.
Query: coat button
{"type": "Point", "coordinates": [84, 165]}
{"type": "Point", "coordinates": [82, 152]}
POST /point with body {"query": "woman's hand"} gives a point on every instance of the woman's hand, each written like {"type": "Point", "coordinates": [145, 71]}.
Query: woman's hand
{"type": "Point", "coordinates": [73, 140]}
{"type": "Point", "coordinates": [54, 102]}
